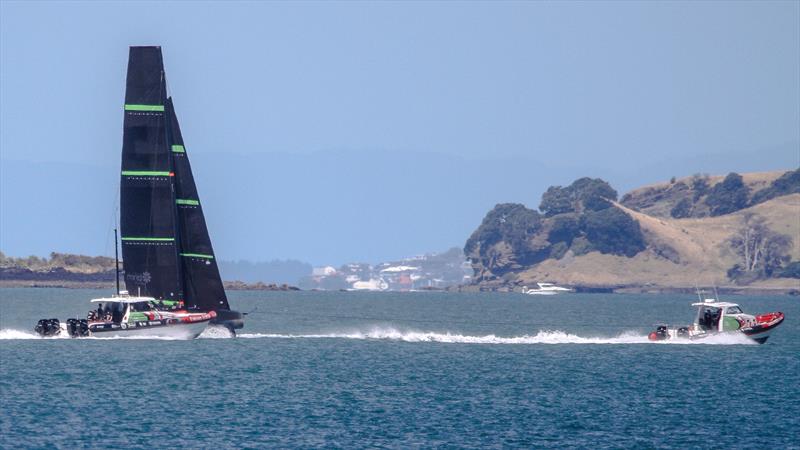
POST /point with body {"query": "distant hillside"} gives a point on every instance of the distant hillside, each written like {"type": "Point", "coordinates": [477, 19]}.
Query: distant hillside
{"type": "Point", "coordinates": [582, 236]}
{"type": "Point", "coordinates": [67, 270]}
{"type": "Point", "coordinates": [70, 263]}
{"type": "Point", "coordinates": [704, 195]}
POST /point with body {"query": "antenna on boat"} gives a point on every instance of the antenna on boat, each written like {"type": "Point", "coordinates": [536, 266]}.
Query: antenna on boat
{"type": "Point", "coordinates": [116, 258]}
{"type": "Point", "coordinates": [716, 295]}
{"type": "Point", "coordinates": [697, 289]}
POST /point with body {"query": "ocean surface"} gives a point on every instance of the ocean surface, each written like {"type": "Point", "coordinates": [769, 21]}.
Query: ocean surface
{"type": "Point", "coordinates": [403, 370]}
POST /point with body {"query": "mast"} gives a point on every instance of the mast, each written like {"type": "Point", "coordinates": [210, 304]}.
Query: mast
{"type": "Point", "coordinates": [116, 258]}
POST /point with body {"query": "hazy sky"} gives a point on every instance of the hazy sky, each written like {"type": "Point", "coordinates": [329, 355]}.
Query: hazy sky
{"type": "Point", "coordinates": [629, 91]}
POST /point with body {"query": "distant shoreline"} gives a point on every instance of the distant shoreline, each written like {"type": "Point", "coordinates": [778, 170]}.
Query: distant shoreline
{"type": "Point", "coordinates": [70, 284]}
{"type": "Point", "coordinates": [240, 286]}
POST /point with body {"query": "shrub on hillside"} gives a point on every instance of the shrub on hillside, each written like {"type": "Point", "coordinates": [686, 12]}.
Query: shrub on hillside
{"type": "Point", "coordinates": [682, 210]}
{"type": "Point", "coordinates": [728, 196]}
{"type": "Point", "coordinates": [792, 270]}
{"type": "Point", "coordinates": [581, 246]}
{"type": "Point", "coordinates": [699, 186]}
{"type": "Point", "coordinates": [788, 183]}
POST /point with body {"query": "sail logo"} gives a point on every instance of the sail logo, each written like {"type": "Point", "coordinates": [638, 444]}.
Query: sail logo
{"type": "Point", "coordinates": [139, 278]}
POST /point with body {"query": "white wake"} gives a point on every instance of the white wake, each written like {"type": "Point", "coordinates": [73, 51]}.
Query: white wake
{"type": "Point", "coordinates": [541, 337]}
{"type": "Point", "coordinates": [393, 334]}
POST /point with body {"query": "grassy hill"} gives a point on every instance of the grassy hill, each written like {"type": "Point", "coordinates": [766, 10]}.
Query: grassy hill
{"type": "Point", "coordinates": [677, 252]}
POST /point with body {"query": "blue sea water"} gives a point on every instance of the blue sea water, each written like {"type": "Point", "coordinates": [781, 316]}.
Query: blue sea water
{"type": "Point", "coordinates": [340, 369]}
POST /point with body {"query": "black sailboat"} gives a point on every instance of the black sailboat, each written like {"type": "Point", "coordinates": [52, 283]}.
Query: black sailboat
{"type": "Point", "coordinates": [164, 231]}
{"type": "Point", "coordinates": [169, 262]}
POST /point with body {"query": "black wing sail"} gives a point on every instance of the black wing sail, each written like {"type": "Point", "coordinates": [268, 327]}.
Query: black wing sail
{"type": "Point", "coordinates": [147, 199]}
{"type": "Point", "coordinates": [202, 283]}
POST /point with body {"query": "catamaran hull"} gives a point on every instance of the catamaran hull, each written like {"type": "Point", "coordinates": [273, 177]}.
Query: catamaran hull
{"type": "Point", "coordinates": [165, 331]}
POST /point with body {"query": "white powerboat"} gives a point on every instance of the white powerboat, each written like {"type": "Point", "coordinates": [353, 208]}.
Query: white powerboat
{"type": "Point", "coordinates": [125, 315]}
{"type": "Point", "coordinates": [545, 289]}
{"type": "Point", "coordinates": [716, 317]}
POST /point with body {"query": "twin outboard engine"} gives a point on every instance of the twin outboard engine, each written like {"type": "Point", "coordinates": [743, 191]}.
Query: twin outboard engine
{"type": "Point", "coordinates": [78, 327]}
{"type": "Point", "coordinates": [660, 334]}
{"type": "Point", "coordinates": [48, 327]}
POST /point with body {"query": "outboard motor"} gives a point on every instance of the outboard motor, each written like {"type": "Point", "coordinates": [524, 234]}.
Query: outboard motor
{"type": "Point", "coordinates": [48, 327]}
{"type": "Point", "coordinates": [78, 328]}
{"type": "Point", "coordinates": [660, 334]}
{"type": "Point", "coordinates": [84, 327]}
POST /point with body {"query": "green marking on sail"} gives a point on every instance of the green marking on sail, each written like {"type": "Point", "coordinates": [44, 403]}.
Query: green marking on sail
{"type": "Point", "coordinates": [186, 201]}
{"type": "Point", "coordinates": [178, 149]}
{"type": "Point", "coordinates": [151, 239]}
{"type": "Point", "coordinates": [197, 255]}
{"type": "Point", "coordinates": [144, 173]}
{"type": "Point", "coordinates": [144, 107]}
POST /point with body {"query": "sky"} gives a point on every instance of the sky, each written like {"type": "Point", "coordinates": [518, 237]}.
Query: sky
{"type": "Point", "coordinates": [332, 132]}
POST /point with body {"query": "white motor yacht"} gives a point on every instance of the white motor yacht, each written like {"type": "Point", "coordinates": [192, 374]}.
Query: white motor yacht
{"type": "Point", "coordinates": [545, 289]}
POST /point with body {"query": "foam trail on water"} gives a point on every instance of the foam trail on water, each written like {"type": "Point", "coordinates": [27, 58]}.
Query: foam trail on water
{"type": "Point", "coordinates": [12, 334]}
{"type": "Point", "coordinates": [393, 334]}
{"type": "Point", "coordinates": [542, 337]}
{"type": "Point", "coordinates": [215, 332]}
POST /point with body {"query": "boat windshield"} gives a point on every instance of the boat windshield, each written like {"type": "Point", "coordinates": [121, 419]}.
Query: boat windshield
{"type": "Point", "coordinates": [141, 306]}
{"type": "Point", "coordinates": [733, 310]}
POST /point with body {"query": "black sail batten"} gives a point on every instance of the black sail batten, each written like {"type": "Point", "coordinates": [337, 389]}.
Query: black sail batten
{"type": "Point", "coordinates": [147, 197]}
{"type": "Point", "coordinates": [202, 283]}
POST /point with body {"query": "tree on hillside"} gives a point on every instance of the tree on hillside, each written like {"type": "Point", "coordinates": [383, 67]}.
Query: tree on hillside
{"type": "Point", "coordinates": [788, 183]}
{"type": "Point", "coordinates": [613, 231]}
{"type": "Point", "coordinates": [762, 252]}
{"type": "Point", "coordinates": [556, 200]}
{"type": "Point", "coordinates": [682, 210]}
{"type": "Point", "coordinates": [699, 186]}
{"type": "Point", "coordinates": [509, 222]}
{"type": "Point", "coordinates": [583, 194]}
{"type": "Point", "coordinates": [728, 196]}
{"type": "Point", "coordinates": [564, 229]}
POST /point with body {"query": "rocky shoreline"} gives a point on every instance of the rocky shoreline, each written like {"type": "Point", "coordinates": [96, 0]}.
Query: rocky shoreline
{"type": "Point", "coordinates": [639, 289]}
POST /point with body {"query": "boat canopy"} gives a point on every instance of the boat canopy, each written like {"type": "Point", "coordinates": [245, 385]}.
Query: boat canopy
{"type": "Point", "coordinates": [715, 304]}
{"type": "Point", "coordinates": [123, 300]}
